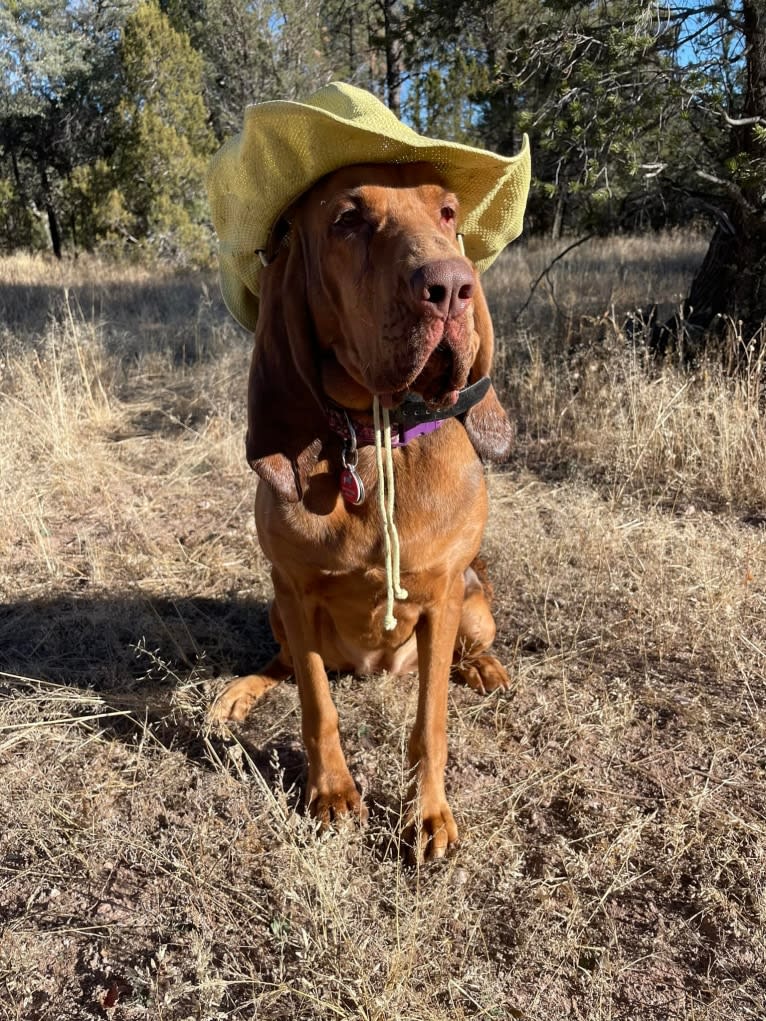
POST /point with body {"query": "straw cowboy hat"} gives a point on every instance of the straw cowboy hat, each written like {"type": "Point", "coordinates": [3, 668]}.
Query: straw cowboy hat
{"type": "Point", "coordinates": [285, 147]}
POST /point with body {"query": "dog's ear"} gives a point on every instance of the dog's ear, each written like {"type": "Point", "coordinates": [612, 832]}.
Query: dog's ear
{"type": "Point", "coordinates": [284, 414]}
{"type": "Point", "coordinates": [486, 423]}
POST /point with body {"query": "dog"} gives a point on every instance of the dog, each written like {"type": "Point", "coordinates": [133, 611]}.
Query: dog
{"type": "Point", "coordinates": [366, 293]}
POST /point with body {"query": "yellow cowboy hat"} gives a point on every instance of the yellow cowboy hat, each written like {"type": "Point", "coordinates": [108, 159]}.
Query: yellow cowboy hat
{"type": "Point", "coordinates": [285, 147]}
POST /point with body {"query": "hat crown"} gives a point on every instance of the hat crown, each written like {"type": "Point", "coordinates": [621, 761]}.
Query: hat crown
{"type": "Point", "coordinates": [347, 102]}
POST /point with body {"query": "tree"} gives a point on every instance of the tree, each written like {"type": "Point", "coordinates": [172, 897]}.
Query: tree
{"type": "Point", "coordinates": [390, 40]}
{"type": "Point", "coordinates": [589, 82]}
{"type": "Point", "coordinates": [162, 137]}
{"type": "Point", "coordinates": [640, 112]}
{"type": "Point", "coordinates": [253, 52]}
{"type": "Point", "coordinates": [285, 49]}
{"type": "Point", "coordinates": [105, 134]}
{"type": "Point", "coordinates": [58, 75]}
{"type": "Point", "coordinates": [731, 283]}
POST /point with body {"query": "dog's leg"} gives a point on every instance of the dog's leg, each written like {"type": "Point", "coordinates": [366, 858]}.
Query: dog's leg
{"type": "Point", "coordinates": [471, 663]}
{"type": "Point", "coordinates": [237, 698]}
{"type": "Point", "coordinates": [330, 791]}
{"type": "Point", "coordinates": [430, 828]}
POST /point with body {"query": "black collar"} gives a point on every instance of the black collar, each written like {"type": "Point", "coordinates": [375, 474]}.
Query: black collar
{"type": "Point", "coordinates": [414, 411]}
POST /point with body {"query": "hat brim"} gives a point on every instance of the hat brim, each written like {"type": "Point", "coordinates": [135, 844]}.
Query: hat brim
{"type": "Point", "coordinates": [286, 147]}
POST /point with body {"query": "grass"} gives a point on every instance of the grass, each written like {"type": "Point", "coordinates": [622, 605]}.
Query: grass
{"type": "Point", "coordinates": [613, 855]}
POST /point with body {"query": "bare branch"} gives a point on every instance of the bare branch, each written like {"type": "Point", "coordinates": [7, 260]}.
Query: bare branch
{"type": "Point", "coordinates": [741, 122]}
{"type": "Point", "coordinates": [713, 179]}
{"type": "Point", "coordinates": [551, 264]}
{"type": "Point", "coordinates": [728, 186]}
{"type": "Point", "coordinates": [654, 169]}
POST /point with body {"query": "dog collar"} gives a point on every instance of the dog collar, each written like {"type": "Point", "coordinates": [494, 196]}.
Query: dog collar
{"type": "Point", "coordinates": [411, 419]}
{"type": "Point", "coordinates": [353, 431]}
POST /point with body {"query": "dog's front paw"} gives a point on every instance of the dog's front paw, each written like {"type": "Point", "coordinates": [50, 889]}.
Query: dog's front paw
{"type": "Point", "coordinates": [484, 674]}
{"type": "Point", "coordinates": [236, 699]}
{"type": "Point", "coordinates": [430, 831]}
{"type": "Point", "coordinates": [330, 798]}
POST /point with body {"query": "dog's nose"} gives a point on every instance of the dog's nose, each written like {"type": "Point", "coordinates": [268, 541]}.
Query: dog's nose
{"type": "Point", "coordinates": [443, 288]}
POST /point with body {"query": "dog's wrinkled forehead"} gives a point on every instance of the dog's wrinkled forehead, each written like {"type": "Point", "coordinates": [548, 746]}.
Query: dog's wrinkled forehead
{"type": "Point", "coordinates": [378, 186]}
{"type": "Point", "coordinates": [376, 190]}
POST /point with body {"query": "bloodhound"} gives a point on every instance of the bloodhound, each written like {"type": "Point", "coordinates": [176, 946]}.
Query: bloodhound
{"type": "Point", "coordinates": [366, 293]}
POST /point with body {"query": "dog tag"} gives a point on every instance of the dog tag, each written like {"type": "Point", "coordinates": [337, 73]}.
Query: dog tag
{"type": "Point", "coordinates": [351, 486]}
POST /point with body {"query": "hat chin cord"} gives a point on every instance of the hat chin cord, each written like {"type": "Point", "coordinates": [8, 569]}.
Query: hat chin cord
{"type": "Point", "coordinates": [386, 492]}
{"type": "Point", "coordinates": [384, 463]}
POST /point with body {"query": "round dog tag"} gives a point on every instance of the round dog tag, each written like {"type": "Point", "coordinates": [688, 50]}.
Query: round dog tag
{"type": "Point", "coordinates": [351, 486]}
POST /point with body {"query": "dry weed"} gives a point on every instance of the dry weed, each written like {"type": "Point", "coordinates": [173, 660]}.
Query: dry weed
{"type": "Point", "coordinates": [613, 855]}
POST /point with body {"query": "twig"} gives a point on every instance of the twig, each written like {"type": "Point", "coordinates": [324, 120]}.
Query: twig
{"type": "Point", "coordinates": [653, 169]}
{"type": "Point", "coordinates": [550, 266]}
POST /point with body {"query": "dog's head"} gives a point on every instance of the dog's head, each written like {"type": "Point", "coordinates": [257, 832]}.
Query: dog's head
{"type": "Point", "coordinates": [368, 294]}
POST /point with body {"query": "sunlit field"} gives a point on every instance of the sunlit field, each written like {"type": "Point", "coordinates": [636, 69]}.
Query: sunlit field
{"type": "Point", "coordinates": [612, 862]}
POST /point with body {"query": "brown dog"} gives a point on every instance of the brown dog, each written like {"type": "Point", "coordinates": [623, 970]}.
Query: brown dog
{"type": "Point", "coordinates": [366, 293]}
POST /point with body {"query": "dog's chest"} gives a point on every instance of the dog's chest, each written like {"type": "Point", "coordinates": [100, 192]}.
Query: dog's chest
{"type": "Point", "coordinates": [439, 512]}
{"type": "Point", "coordinates": [332, 556]}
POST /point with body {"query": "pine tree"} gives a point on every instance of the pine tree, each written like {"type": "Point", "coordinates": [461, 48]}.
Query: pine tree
{"type": "Point", "coordinates": [254, 52]}
{"type": "Point", "coordinates": [163, 139]}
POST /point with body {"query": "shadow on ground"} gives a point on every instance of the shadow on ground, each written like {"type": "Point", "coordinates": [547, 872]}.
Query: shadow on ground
{"type": "Point", "coordinates": [110, 642]}
{"type": "Point", "coordinates": [135, 653]}
{"type": "Point", "coordinates": [140, 306]}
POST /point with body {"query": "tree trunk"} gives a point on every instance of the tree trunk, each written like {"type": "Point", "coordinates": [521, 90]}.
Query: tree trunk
{"type": "Point", "coordinates": [53, 225]}
{"type": "Point", "coordinates": [16, 174]}
{"type": "Point", "coordinates": [393, 48]}
{"type": "Point", "coordinates": [731, 282]}
{"type": "Point", "coordinates": [558, 219]}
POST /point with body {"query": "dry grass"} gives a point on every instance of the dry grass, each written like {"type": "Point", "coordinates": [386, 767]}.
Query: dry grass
{"type": "Point", "coordinates": [613, 855]}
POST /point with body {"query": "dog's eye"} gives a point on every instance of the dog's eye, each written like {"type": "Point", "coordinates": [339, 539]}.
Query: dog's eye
{"type": "Point", "coordinates": [448, 214]}
{"type": "Point", "coordinates": [349, 219]}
